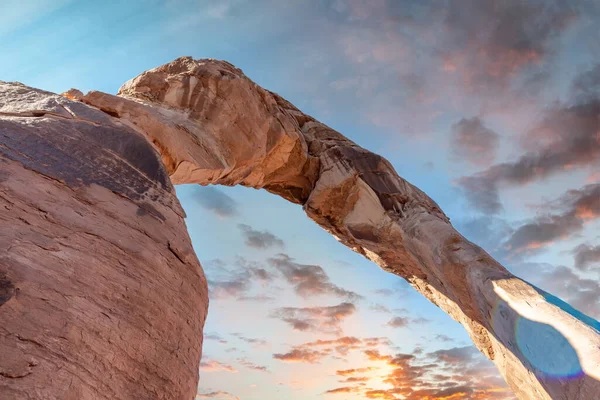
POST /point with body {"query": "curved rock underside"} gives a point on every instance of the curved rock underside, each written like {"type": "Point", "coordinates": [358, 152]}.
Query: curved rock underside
{"type": "Point", "coordinates": [98, 277]}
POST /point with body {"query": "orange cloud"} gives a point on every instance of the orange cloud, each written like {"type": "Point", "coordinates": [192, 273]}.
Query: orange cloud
{"type": "Point", "coordinates": [305, 356]}
{"type": "Point", "coordinates": [352, 371]}
{"type": "Point", "coordinates": [215, 366]}
{"type": "Point", "coordinates": [347, 389]}
{"type": "Point", "coordinates": [316, 319]}
{"type": "Point", "coordinates": [458, 373]}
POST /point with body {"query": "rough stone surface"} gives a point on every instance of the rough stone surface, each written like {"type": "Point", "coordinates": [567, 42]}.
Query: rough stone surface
{"type": "Point", "coordinates": [213, 125]}
{"type": "Point", "coordinates": [97, 271]}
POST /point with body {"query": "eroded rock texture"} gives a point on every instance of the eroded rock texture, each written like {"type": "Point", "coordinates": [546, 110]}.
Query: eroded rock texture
{"type": "Point", "coordinates": [212, 125]}
{"type": "Point", "coordinates": [101, 294]}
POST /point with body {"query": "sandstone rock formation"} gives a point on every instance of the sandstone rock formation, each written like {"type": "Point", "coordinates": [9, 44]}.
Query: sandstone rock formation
{"type": "Point", "coordinates": [213, 125]}
{"type": "Point", "coordinates": [101, 294]}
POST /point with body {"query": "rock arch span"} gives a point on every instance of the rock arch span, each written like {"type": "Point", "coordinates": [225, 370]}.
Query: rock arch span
{"type": "Point", "coordinates": [101, 294]}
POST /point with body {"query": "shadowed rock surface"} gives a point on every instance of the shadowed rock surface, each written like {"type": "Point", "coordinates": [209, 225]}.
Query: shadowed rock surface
{"type": "Point", "coordinates": [212, 125]}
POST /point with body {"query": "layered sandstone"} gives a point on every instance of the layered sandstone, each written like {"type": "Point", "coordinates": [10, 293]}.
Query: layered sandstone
{"type": "Point", "coordinates": [213, 125]}
{"type": "Point", "coordinates": [97, 271]}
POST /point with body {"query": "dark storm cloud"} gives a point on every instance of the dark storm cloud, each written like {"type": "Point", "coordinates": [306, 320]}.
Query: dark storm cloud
{"type": "Point", "coordinates": [216, 201]}
{"type": "Point", "coordinates": [309, 280]}
{"type": "Point", "coordinates": [259, 239]}
{"type": "Point", "coordinates": [586, 256]}
{"type": "Point", "coordinates": [578, 207]}
{"type": "Point", "coordinates": [472, 141]}
{"type": "Point", "coordinates": [326, 320]}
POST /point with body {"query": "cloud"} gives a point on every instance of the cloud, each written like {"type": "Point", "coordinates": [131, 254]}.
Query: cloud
{"type": "Point", "coordinates": [567, 137]}
{"type": "Point", "coordinates": [236, 282]}
{"type": "Point", "coordinates": [216, 201]}
{"type": "Point", "coordinates": [316, 319]}
{"type": "Point", "coordinates": [341, 345]}
{"type": "Point", "coordinates": [472, 141]}
{"type": "Point", "coordinates": [384, 292]}
{"type": "Point", "coordinates": [586, 256]}
{"type": "Point", "coordinates": [259, 239]}
{"type": "Point", "coordinates": [586, 86]}
{"type": "Point", "coordinates": [377, 307]}
{"type": "Point", "coordinates": [251, 365]}
{"type": "Point", "coordinates": [309, 280]}
{"type": "Point", "coordinates": [315, 351]}
{"type": "Point", "coordinates": [302, 356]}
{"type": "Point", "coordinates": [346, 372]}
{"type": "Point", "coordinates": [579, 207]}
{"type": "Point", "coordinates": [217, 395]}
{"type": "Point", "coordinates": [454, 373]}
{"type": "Point", "coordinates": [252, 341]}
{"type": "Point", "coordinates": [228, 288]}
{"type": "Point", "coordinates": [444, 338]}
{"type": "Point", "coordinates": [258, 298]}
{"type": "Point", "coordinates": [404, 60]}
{"type": "Point", "coordinates": [215, 366]}
{"type": "Point", "coordinates": [215, 337]}
{"type": "Point", "coordinates": [346, 389]}
{"type": "Point", "coordinates": [398, 322]}
{"type": "Point", "coordinates": [455, 355]}
{"type": "Point", "coordinates": [488, 43]}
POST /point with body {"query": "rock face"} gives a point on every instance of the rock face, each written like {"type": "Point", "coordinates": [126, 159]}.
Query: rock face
{"type": "Point", "coordinates": [212, 125]}
{"type": "Point", "coordinates": [96, 267]}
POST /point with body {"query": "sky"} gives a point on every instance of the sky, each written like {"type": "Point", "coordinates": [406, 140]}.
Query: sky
{"type": "Point", "coordinates": [491, 107]}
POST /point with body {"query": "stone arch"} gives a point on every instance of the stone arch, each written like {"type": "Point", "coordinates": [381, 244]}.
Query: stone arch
{"type": "Point", "coordinates": [212, 125]}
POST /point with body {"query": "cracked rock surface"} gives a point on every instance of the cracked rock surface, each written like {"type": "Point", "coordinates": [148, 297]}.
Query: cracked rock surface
{"type": "Point", "coordinates": [212, 125]}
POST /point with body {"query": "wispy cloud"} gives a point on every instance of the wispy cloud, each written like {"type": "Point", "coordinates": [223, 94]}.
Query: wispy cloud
{"type": "Point", "coordinates": [259, 239]}
{"type": "Point", "coordinates": [472, 141]}
{"type": "Point", "coordinates": [579, 206]}
{"type": "Point", "coordinates": [215, 366]}
{"type": "Point", "coordinates": [216, 201]}
{"type": "Point", "coordinates": [586, 256]}
{"type": "Point", "coordinates": [309, 280]}
{"type": "Point", "coordinates": [316, 319]}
